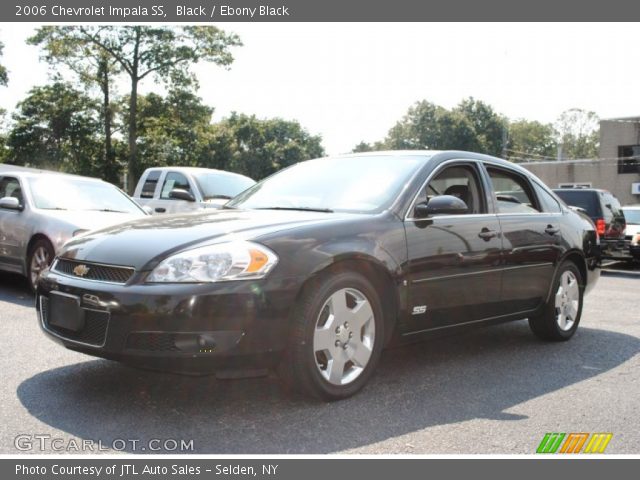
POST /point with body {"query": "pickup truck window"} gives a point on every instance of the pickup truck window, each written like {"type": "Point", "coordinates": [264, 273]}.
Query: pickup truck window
{"type": "Point", "coordinates": [149, 187]}
{"type": "Point", "coordinates": [174, 180]}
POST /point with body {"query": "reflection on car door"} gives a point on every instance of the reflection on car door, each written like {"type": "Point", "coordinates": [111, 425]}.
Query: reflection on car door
{"type": "Point", "coordinates": [454, 260]}
{"type": "Point", "coordinates": [531, 239]}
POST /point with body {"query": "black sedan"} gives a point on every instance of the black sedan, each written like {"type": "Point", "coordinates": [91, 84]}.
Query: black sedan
{"type": "Point", "coordinates": [316, 269]}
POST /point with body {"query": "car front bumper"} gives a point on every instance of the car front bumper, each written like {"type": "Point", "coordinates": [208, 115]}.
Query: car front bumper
{"type": "Point", "coordinates": [187, 328]}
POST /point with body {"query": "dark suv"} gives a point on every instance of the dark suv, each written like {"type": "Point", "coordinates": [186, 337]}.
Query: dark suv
{"type": "Point", "coordinates": [605, 211]}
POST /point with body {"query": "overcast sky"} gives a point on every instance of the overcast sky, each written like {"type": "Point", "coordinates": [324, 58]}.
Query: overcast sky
{"type": "Point", "coordinates": [350, 82]}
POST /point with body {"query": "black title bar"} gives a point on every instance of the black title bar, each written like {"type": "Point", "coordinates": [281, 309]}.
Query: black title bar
{"type": "Point", "coordinates": [191, 11]}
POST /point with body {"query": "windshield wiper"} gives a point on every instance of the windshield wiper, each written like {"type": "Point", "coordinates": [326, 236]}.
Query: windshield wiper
{"type": "Point", "coordinates": [302, 209]}
{"type": "Point", "coordinates": [54, 208]}
{"type": "Point", "coordinates": [105, 210]}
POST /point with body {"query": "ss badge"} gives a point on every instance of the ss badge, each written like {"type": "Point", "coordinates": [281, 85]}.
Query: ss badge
{"type": "Point", "coordinates": [419, 310]}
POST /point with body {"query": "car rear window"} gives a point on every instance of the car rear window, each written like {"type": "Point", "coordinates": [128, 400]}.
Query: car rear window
{"type": "Point", "coordinates": [586, 200]}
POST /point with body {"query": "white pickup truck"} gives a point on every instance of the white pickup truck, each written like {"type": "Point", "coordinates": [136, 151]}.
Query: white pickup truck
{"type": "Point", "coordinates": [184, 189]}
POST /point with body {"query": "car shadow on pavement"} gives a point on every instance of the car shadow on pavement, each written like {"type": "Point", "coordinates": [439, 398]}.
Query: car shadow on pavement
{"type": "Point", "coordinates": [477, 375]}
{"type": "Point", "coordinates": [15, 289]}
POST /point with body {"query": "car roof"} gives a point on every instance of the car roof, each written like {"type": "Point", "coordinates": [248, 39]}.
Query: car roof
{"type": "Point", "coordinates": [33, 173]}
{"type": "Point", "coordinates": [579, 189]}
{"type": "Point", "coordinates": [439, 156]}
{"type": "Point", "coordinates": [196, 170]}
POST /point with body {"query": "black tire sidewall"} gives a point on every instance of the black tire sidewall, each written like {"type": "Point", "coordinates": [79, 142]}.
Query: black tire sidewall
{"type": "Point", "coordinates": [317, 295]}
{"type": "Point", "coordinates": [38, 243]}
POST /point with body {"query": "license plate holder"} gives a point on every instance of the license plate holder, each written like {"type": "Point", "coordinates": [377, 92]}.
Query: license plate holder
{"type": "Point", "coordinates": [65, 312]}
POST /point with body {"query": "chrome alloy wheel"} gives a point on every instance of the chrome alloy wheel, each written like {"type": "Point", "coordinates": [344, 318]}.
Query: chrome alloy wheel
{"type": "Point", "coordinates": [567, 301]}
{"type": "Point", "coordinates": [39, 261]}
{"type": "Point", "coordinates": [344, 336]}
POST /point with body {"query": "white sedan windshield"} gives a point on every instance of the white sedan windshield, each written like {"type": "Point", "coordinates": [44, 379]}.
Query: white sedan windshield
{"type": "Point", "coordinates": [51, 193]}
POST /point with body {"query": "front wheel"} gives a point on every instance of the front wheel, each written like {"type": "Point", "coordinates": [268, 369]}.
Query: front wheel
{"type": "Point", "coordinates": [39, 258]}
{"type": "Point", "coordinates": [336, 338]}
{"type": "Point", "coordinates": [561, 316]}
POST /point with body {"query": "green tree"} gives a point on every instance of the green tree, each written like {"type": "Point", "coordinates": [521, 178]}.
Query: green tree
{"type": "Point", "coordinates": [429, 126]}
{"type": "Point", "coordinates": [172, 130]}
{"type": "Point", "coordinates": [165, 53]}
{"type": "Point", "coordinates": [94, 67]}
{"type": "Point", "coordinates": [531, 140]}
{"type": "Point", "coordinates": [257, 148]}
{"type": "Point", "coordinates": [57, 127]}
{"type": "Point", "coordinates": [577, 132]}
{"type": "Point", "coordinates": [4, 79]}
{"type": "Point", "coordinates": [489, 127]}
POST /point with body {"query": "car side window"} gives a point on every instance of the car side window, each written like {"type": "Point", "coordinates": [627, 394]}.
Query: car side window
{"type": "Point", "coordinates": [149, 186]}
{"type": "Point", "coordinates": [460, 181]}
{"type": "Point", "coordinates": [10, 187]}
{"type": "Point", "coordinates": [512, 192]}
{"type": "Point", "coordinates": [174, 180]}
{"type": "Point", "coordinates": [546, 200]}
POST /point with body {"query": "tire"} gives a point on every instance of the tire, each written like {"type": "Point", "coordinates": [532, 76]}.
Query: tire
{"type": "Point", "coordinates": [561, 316]}
{"type": "Point", "coordinates": [331, 355]}
{"type": "Point", "coordinates": [39, 257]}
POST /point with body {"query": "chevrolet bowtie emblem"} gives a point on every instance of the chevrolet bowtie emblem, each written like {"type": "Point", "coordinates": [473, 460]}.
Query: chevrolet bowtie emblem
{"type": "Point", "coordinates": [81, 270]}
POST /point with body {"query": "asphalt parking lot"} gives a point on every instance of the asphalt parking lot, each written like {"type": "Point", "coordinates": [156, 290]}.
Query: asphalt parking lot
{"type": "Point", "coordinates": [494, 390]}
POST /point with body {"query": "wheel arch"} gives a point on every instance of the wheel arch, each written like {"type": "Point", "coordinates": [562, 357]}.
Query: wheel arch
{"type": "Point", "coordinates": [578, 259]}
{"type": "Point", "coordinates": [374, 271]}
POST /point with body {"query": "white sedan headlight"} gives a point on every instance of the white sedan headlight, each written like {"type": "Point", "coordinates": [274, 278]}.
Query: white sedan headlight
{"type": "Point", "coordinates": [215, 263]}
{"type": "Point", "coordinates": [635, 240]}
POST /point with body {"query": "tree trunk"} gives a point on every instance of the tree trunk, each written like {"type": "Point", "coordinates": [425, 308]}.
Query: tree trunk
{"type": "Point", "coordinates": [110, 169]}
{"type": "Point", "coordinates": [133, 137]}
{"type": "Point", "coordinates": [132, 173]}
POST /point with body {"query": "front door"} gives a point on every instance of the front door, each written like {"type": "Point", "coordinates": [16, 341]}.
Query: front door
{"type": "Point", "coordinates": [454, 260]}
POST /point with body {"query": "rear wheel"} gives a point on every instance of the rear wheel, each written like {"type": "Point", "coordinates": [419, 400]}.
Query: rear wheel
{"type": "Point", "coordinates": [39, 258]}
{"type": "Point", "coordinates": [561, 316]}
{"type": "Point", "coordinates": [336, 338]}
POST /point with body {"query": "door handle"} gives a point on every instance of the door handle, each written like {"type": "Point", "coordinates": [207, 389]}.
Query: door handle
{"type": "Point", "coordinates": [161, 210]}
{"type": "Point", "coordinates": [551, 230]}
{"type": "Point", "coordinates": [487, 234]}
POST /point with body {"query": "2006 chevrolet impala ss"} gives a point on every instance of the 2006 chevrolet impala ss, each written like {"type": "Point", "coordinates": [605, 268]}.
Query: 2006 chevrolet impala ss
{"type": "Point", "coordinates": [317, 268]}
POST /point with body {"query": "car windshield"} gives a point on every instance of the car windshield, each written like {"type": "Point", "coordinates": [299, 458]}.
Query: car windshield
{"type": "Point", "coordinates": [220, 185]}
{"type": "Point", "coordinates": [363, 184]}
{"type": "Point", "coordinates": [59, 193]}
{"type": "Point", "coordinates": [632, 216]}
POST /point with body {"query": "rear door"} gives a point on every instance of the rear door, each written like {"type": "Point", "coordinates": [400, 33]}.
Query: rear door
{"type": "Point", "coordinates": [531, 238]}
{"type": "Point", "coordinates": [454, 260]}
{"type": "Point", "coordinates": [147, 187]}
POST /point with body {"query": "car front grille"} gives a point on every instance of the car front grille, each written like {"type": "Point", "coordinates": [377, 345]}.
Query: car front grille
{"type": "Point", "coordinates": [94, 331]}
{"type": "Point", "coordinates": [93, 271]}
{"type": "Point", "coordinates": [153, 341]}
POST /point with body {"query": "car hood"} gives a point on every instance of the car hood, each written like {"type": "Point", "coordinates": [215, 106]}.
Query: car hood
{"type": "Point", "coordinates": [142, 243]}
{"type": "Point", "coordinates": [90, 219]}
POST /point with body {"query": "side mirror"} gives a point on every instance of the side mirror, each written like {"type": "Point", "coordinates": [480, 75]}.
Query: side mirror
{"type": "Point", "coordinates": [441, 205]}
{"type": "Point", "coordinates": [182, 194]}
{"type": "Point", "coordinates": [10, 203]}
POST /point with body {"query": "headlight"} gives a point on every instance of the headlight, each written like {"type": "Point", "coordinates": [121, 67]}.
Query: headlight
{"type": "Point", "coordinates": [215, 263]}
{"type": "Point", "coordinates": [635, 241]}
